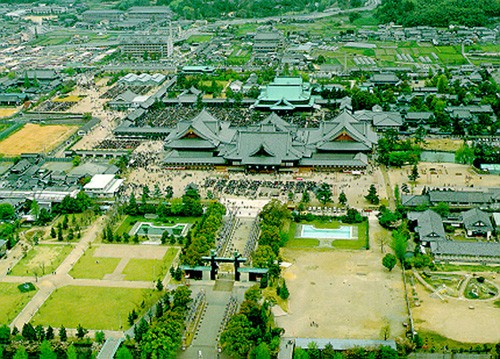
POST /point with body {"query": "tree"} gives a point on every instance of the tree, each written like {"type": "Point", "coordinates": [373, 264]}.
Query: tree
{"type": "Point", "coordinates": [399, 244]}
{"type": "Point", "coordinates": [159, 285]}
{"type": "Point", "coordinates": [284, 293]}
{"type": "Point", "coordinates": [20, 353]}
{"type": "Point", "coordinates": [372, 196]}
{"type": "Point", "coordinates": [100, 337]}
{"type": "Point", "coordinates": [324, 193]}
{"type": "Point", "coordinates": [46, 351]}
{"type": "Point", "coordinates": [63, 336]}
{"type": "Point", "coordinates": [28, 332]}
{"type": "Point", "coordinates": [236, 339]}
{"type": "Point", "coordinates": [71, 352]}
{"type": "Point", "coordinates": [59, 233]}
{"type": "Point", "coordinates": [305, 197]}
{"type": "Point", "coordinates": [182, 297]}
{"type": "Point", "coordinates": [4, 334]}
{"type": "Point", "coordinates": [123, 353]}
{"type": "Point", "coordinates": [442, 208]}
{"type": "Point", "coordinates": [140, 330]}
{"type": "Point", "coordinates": [261, 351]}
{"type": "Point", "coordinates": [176, 206]}
{"type": "Point", "coordinates": [389, 261]}
{"type": "Point", "coordinates": [6, 211]}
{"type": "Point", "coordinates": [76, 161]}
{"type": "Point", "coordinates": [65, 222]}
{"type": "Point", "coordinates": [49, 335]}
{"type": "Point", "coordinates": [414, 175]}
{"type": "Point", "coordinates": [81, 332]}
{"type": "Point", "coordinates": [342, 198]}
{"type": "Point", "coordinates": [253, 293]}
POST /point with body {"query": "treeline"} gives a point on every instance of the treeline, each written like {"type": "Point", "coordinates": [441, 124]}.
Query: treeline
{"type": "Point", "coordinates": [205, 9]}
{"type": "Point", "coordinates": [201, 238]}
{"type": "Point", "coordinates": [251, 332]}
{"type": "Point", "coordinates": [274, 216]}
{"type": "Point", "coordinates": [312, 352]}
{"type": "Point", "coordinates": [161, 335]}
{"type": "Point", "coordinates": [438, 13]}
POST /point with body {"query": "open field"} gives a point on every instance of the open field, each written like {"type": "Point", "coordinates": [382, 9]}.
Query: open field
{"type": "Point", "coordinates": [41, 259]}
{"type": "Point", "coordinates": [443, 144]}
{"type": "Point", "coordinates": [467, 321]}
{"type": "Point", "coordinates": [93, 267]}
{"type": "Point", "coordinates": [7, 111]}
{"type": "Point", "coordinates": [32, 138]}
{"type": "Point", "coordinates": [97, 308]}
{"type": "Point", "coordinates": [346, 294]}
{"type": "Point", "coordinates": [149, 269]}
{"type": "Point", "coordinates": [13, 301]}
{"type": "Point", "coordinates": [70, 98]}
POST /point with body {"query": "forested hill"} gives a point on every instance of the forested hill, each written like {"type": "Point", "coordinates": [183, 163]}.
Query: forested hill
{"type": "Point", "coordinates": [438, 13]}
{"type": "Point", "coordinates": [216, 9]}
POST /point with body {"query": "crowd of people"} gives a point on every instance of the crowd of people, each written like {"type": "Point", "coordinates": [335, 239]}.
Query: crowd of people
{"type": "Point", "coordinates": [257, 188]}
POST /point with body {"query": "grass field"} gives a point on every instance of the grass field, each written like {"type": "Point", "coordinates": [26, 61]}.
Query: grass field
{"type": "Point", "coordinates": [443, 144]}
{"type": "Point", "coordinates": [70, 98]}
{"type": "Point", "coordinates": [198, 38]}
{"type": "Point", "coordinates": [93, 307]}
{"type": "Point", "coordinates": [149, 269]}
{"type": "Point", "coordinates": [13, 301]}
{"type": "Point", "coordinates": [41, 259]}
{"type": "Point", "coordinates": [32, 138]}
{"type": "Point", "coordinates": [93, 267]}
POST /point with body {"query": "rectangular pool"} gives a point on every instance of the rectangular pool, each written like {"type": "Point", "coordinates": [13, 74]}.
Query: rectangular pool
{"type": "Point", "coordinates": [309, 231]}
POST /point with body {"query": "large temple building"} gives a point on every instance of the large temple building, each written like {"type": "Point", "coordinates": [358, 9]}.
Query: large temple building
{"type": "Point", "coordinates": [343, 143]}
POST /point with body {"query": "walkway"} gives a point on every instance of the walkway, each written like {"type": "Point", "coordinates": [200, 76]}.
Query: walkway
{"type": "Point", "coordinates": [388, 188]}
{"type": "Point", "coordinates": [60, 278]}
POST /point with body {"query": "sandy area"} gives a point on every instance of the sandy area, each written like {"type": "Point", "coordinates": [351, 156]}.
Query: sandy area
{"type": "Point", "coordinates": [130, 251]}
{"type": "Point", "coordinates": [443, 144]}
{"type": "Point", "coordinates": [443, 175]}
{"type": "Point", "coordinates": [35, 138]}
{"type": "Point", "coordinates": [45, 255]}
{"type": "Point", "coordinates": [455, 320]}
{"type": "Point", "coordinates": [341, 294]}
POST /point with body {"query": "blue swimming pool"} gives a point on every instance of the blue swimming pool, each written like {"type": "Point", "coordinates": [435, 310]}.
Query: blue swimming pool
{"type": "Point", "coordinates": [309, 231]}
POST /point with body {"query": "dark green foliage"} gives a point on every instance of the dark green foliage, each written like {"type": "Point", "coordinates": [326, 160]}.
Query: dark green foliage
{"type": "Point", "coordinates": [28, 332]}
{"type": "Point", "coordinates": [352, 216]}
{"type": "Point", "coordinates": [4, 334]}
{"type": "Point", "coordinates": [6, 211]}
{"type": "Point", "coordinates": [389, 261]}
{"type": "Point", "coordinates": [63, 336]}
{"type": "Point", "coordinates": [324, 193]}
{"type": "Point", "coordinates": [69, 205]}
{"type": "Point", "coordinates": [26, 287]}
{"type": "Point", "coordinates": [81, 332]}
{"type": "Point", "coordinates": [49, 335]}
{"type": "Point", "coordinates": [438, 13]}
{"type": "Point", "coordinates": [372, 195]}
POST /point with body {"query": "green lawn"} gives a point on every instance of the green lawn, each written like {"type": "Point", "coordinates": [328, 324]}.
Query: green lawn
{"type": "Point", "coordinates": [41, 260]}
{"type": "Point", "coordinates": [97, 308]}
{"type": "Point", "coordinates": [91, 267]}
{"type": "Point", "coordinates": [438, 342]}
{"type": "Point", "coordinates": [302, 243]}
{"type": "Point", "coordinates": [467, 268]}
{"type": "Point", "coordinates": [199, 38]}
{"type": "Point", "coordinates": [13, 301]}
{"type": "Point", "coordinates": [149, 269]}
{"type": "Point", "coordinates": [360, 243]}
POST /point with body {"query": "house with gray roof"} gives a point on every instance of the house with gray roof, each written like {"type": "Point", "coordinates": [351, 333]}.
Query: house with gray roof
{"type": "Point", "coordinates": [460, 198]}
{"type": "Point", "coordinates": [468, 252]}
{"type": "Point", "coordinates": [477, 223]}
{"type": "Point", "coordinates": [429, 227]}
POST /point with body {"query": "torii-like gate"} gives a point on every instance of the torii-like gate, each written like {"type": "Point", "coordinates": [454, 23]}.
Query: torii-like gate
{"type": "Point", "coordinates": [214, 260]}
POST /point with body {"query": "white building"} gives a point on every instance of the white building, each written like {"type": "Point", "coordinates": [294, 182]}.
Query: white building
{"type": "Point", "coordinates": [103, 186]}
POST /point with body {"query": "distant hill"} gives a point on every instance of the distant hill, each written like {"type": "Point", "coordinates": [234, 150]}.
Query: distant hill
{"type": "Point", "coordinates": [216, 9]}
{"type": "Point", "coordinates": [439, 13]}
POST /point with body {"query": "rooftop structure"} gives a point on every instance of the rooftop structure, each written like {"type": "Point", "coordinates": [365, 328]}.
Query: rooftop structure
{"type": "Point", "coordinates": [103, 185]}
{"type": "Point", "coordinates": [286, 94]}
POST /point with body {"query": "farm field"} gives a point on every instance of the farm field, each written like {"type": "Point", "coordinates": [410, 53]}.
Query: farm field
{"type": "Point", "coordinates": [33, 138]}
{"type": "Point", "coordinates": [7, 111]}
{"type": "Point", "coordinates": [98, 308]}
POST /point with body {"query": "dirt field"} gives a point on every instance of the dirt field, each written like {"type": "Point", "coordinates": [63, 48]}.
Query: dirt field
{"type": "Point", "coordinates": [443, 175]}
{"type": "Point", "coordinates": [342, 294]}
{"type": "Point", "coordinates": [35, 138]}
{"type": "Point", "coordinates": [6, 112]}
{"type": "Point", "coordinates": [455, 320]}
{"type": "Point", "coordinates": [130, 251]}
